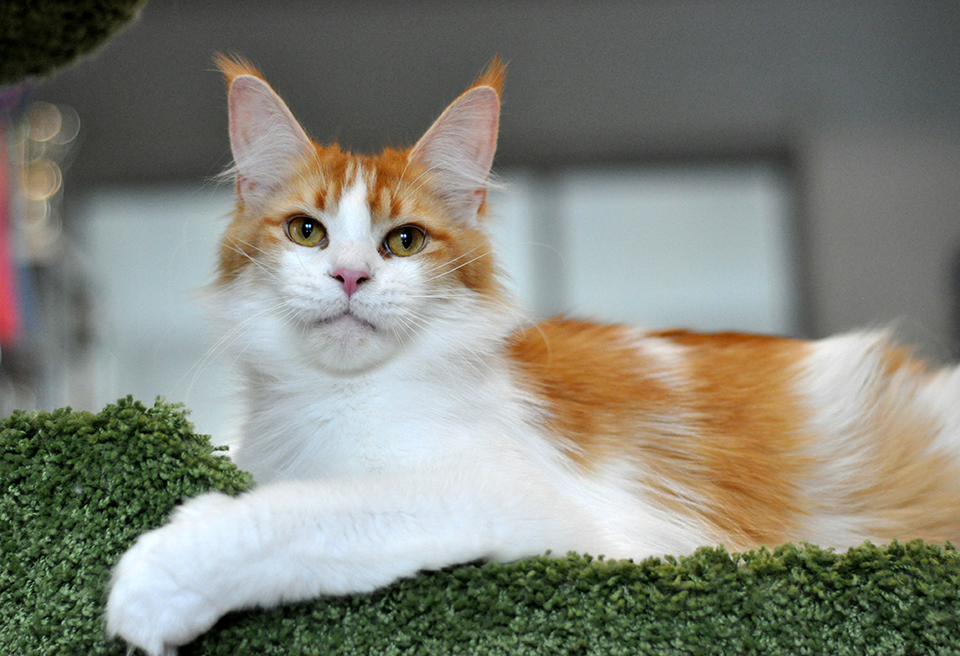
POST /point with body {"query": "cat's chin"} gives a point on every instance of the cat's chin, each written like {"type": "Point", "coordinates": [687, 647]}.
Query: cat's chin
{"type": "Point", "coordinates": [347, 322]}
{"type": "Point", "coordinates": [347, 343]}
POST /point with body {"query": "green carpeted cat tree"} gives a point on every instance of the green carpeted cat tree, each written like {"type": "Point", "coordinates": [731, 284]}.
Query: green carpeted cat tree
{"type": "Point", "coordinates": [38, 37]}
{"type": "Point", "coordinates": [78, 488]}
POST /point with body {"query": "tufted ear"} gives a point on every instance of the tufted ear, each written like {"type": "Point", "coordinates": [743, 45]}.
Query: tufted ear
{"type": "Point", "coordinates": [265, 138]}
{"type": "Point", "coordinates": [458, 149]}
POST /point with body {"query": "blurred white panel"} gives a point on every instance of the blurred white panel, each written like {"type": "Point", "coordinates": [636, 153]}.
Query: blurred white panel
{"type": "Point", "coordinates": [513, 233]}
{"type": "Point", "coordinates": [151, 251]}
{"type": "Point", "coordinates": [707, 249]}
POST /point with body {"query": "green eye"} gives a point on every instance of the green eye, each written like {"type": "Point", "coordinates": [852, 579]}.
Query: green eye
{"type": "Point", "coordinates": [306, 231]}
{"type": "Point", "coordinates": [405, 241]}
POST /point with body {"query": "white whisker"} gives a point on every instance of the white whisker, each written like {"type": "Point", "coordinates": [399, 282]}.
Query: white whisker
{"type": "Point", "coordinates": [225, 342]}
{"type": "Point", "coordinates": [459, 266]}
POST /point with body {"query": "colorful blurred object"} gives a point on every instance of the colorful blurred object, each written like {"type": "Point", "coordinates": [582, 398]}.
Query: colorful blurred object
{"type": "Point", "coordinates": [9, 307]}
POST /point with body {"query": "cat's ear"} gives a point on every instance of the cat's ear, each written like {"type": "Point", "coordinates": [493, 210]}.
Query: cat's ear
{"type": "Point", "coordinates": [265, 138]}
{"type": "Point", "coordinates": [457, 150]}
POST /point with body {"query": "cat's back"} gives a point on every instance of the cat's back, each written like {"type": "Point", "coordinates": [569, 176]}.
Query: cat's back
{"type": "Point", "coordinates": [761, 439]}
{"type": "Point", "coordinates": [598, 381]}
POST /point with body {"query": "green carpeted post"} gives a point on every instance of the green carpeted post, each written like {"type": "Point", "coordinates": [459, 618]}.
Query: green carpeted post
{"type": "Point", "coordinates": [37, 37]}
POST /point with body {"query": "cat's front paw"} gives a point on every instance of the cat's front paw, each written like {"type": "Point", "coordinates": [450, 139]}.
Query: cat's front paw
{"type": "Point", "coordinates": [157, 601]}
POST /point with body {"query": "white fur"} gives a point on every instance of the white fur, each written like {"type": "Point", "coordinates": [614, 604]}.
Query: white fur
{"type": "Point", "coordinates": [939, 397]}
{"type": "Point", "coordinates": [845, 382]}
{"type": "Point", "coordinates": [428, 460]}
{"type": "Point", "coordinates": [839, 381]}
{"type": "Point", "coordinates": [668, 364]}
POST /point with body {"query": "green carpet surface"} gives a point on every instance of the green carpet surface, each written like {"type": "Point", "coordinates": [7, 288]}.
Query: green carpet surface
{"type": "Point", "coordinates": [39, 36]}
{"type": "Point", "coordinates": [78, 488]}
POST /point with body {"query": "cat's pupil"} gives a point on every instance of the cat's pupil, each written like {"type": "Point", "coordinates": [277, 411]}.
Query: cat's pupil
{"type": "Point", "coordinates": [406, 238]}
{"type": "Point", "coordinates": [306, 229]}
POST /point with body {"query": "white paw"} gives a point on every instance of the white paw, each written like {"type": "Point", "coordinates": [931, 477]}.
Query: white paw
{"type": "Point", "coordinates": [158, 597]}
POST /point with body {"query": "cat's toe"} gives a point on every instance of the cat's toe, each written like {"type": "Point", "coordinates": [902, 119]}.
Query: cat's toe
{"type": "Point", "coordinates": [152, 605]}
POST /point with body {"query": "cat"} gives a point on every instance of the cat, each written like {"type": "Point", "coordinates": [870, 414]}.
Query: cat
{"type": "Point", "coordinates": [403, 415]}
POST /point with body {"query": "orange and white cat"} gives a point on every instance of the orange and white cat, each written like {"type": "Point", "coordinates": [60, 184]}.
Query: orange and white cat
{"type": "Point", "coordinates": [402, 415]}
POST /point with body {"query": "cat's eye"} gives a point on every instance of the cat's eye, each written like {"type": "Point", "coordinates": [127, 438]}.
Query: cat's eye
{"type": "Point", "coordinates": [405, 241]}
{"type": "Point", "coordinates": [306, 231]}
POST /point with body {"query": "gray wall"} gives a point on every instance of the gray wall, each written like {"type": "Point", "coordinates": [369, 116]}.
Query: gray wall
{"type": "Point", "coordinates": [859, 101]}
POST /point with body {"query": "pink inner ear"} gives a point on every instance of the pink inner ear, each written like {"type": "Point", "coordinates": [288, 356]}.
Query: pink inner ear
{"type": "Point", "coordinates": [458, 149]}
{"type": "Point", "coordinates": [246, 108]}
{"type": "Point", "coordinates": [265, 138]}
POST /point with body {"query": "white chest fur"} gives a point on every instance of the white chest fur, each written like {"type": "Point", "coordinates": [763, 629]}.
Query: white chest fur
{"type": "Point", "coordinates": [316, 425]}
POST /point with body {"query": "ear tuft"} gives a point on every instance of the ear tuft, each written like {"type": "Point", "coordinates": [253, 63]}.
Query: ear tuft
{"type": "Point", "coordinates": [457, 151]}
{"type": "Point", "coordinates": [493, 76]}
{"type": "Point", "coordinates": [233, 66]}
{"type": "Point", "coordinates": [266, 140]}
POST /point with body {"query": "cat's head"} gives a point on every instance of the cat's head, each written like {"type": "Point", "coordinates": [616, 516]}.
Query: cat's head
{"type": "Point", "coordinates": [353, 257]}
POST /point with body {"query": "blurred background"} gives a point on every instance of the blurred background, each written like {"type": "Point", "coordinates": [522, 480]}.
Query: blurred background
{"type": "Point", "coordinates": [773, 166]}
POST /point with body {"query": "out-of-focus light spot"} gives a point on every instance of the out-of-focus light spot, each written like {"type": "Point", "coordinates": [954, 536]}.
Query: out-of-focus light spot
{"type": "Point", "coordinates": [37, 211]}
{"type": "Point", "coordinates": [41, 180]}
{"type": "Point", "coordinates": [45, 121]}
{"type": "Point", "coordinates": [69, 126]}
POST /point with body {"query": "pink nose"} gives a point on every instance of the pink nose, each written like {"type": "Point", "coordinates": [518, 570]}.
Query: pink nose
{"type": "Point", "coordinates": [351, 279]}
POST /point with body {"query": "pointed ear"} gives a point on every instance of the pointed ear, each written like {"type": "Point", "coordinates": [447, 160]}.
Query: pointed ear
{"type": "Point", "coordinates": [458, 149]}
{"type": "Point", "coordinates": [266, 140]}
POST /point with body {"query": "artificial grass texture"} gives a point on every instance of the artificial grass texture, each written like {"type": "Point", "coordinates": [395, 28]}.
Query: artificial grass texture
{"type": "Point", "coordinates": [78, 488]}
{"type": "Point", "coordinates": [39, 36]}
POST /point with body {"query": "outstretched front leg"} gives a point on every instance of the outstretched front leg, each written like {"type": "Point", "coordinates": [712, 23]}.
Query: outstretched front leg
{"type": "Point", "coordinates": [293, 541]}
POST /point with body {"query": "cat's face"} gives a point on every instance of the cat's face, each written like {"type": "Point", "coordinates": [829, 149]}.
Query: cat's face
{"type": "Point", "coordinates": [358, 268]}
{"type": "Point", "coordinates": [346, 259]}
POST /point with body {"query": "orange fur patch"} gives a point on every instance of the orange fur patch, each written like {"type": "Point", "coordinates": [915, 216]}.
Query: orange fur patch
{"type": "Point", "coordinates": [593, 382]}
{"type": "Point", "coordinates": [725, 446]}
{"type": "Point", "coordinates": [383, 191]}
{"type": "Point", "coordinates": [751, 439]}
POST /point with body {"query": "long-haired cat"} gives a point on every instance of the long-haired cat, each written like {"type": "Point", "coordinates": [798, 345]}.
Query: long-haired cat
{"type": "Point", "coordinates": [402, 415]}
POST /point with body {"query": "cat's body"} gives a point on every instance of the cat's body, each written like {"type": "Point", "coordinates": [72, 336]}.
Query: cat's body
{"type": "Point", "coordinates": [403, 416]}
